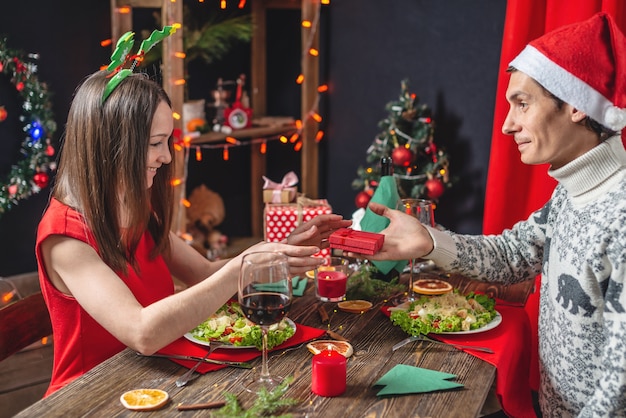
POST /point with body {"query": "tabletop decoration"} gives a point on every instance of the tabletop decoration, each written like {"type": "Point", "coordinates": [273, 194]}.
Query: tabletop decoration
{"type": "Point", "coordinates": [265, 405]}
{"type": "Point", "coordinates": [365, 284]}
{"type": "Point", "coordinates": [403, 379]}
{"type": "Point", "coordinates": [31, 172]}
{"type": "Point", "coordinates": [328, 373]}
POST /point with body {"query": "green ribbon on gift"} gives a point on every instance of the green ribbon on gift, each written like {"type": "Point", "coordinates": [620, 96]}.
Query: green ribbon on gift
{"type": "Point", "coordinates": [298, 285]}
{"type": "Point", "coordinates": [386, 194]}
{"type": "Point", "coordinates": [403, 379]}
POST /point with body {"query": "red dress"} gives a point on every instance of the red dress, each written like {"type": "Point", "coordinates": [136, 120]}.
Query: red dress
{"type": "Point", "coordinates": [80, 343]}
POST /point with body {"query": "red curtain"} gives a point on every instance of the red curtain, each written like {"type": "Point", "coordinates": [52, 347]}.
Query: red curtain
{"type": "Point", "coordinates": [514, 189]}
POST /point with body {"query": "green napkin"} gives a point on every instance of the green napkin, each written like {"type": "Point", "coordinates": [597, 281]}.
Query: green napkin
{"type": "Point", "coordinates": [404, 379]}
{"type": "Point", "coordinates": [387, 194]}
{"type": "Point", "coordinates": [298, 285]}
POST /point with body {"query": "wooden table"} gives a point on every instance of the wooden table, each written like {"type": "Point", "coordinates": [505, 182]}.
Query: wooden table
{"type": "Point", "coordinates": [372, 336]}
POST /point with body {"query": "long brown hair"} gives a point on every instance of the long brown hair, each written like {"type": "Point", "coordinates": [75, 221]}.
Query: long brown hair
{"type": "Point", "coordinates": [102, 167]}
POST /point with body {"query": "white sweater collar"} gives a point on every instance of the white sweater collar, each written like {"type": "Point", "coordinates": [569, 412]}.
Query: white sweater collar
{"type": "Point", "coordinates": [590, 171]}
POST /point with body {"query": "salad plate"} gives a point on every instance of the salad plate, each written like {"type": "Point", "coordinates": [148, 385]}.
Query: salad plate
{"type": "Point", "coordinates": [231, 346]}
{"type": "Point", "coordinates": [497, 320]}
{"type": "Point", "coordinates": [451, 313]}
{"type": "Point", "coordinates": [229, 326]}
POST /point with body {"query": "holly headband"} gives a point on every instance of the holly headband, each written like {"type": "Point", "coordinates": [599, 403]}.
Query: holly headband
{"type": "Point", "coordinates": [120, 56]}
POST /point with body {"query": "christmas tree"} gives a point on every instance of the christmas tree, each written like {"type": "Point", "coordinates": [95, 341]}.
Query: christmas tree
{"type": "Point", "coordinates": [407, 136]}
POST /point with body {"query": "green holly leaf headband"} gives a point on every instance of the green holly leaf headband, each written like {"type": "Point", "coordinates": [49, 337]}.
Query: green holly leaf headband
{"type": "Point", "coordinates": [121, 57]}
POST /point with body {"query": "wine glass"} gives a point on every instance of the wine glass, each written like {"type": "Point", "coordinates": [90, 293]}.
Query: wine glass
{"type": "Point", "coordinates": [423, 211]}
{"type": "Point", "coordinates": [265, 296]}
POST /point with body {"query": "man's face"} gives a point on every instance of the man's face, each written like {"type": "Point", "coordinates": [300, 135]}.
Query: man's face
{"type": "Point", "coordinates": [543, 132]}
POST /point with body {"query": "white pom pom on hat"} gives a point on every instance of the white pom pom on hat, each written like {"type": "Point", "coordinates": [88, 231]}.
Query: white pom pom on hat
{"type": "Point", "coordinates": [590, 75]}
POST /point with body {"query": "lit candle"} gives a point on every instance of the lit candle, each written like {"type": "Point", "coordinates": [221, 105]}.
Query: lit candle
{"type": "Point", "coordinates": [331, 285]}
{"type": "Point", "coordinates": [328, 373]}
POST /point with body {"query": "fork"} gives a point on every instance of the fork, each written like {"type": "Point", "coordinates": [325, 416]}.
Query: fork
{"type": "Point", "coordinates": [184, 379]}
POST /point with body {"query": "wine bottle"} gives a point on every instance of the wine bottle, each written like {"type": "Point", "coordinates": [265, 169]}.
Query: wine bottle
{"type": "Point", "coordinates": [386, 166]}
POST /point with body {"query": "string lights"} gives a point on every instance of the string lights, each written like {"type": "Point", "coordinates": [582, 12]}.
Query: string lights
{"type": "Point", "coordinates": [184, 143]}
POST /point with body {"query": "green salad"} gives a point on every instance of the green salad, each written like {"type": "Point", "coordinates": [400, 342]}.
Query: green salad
{"type": "Point", "coordinates": [450, 312]}
{"type": "Point", "coordinates": [229, 325]}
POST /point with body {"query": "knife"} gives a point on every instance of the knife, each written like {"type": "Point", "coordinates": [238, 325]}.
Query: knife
{"type": "Point", "coordinates": [430, 340]}
{"type": "Point", "coordinates": [241, 365]}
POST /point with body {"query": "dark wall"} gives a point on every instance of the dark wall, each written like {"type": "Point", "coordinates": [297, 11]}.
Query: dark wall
{"type": "Point", "coordinates": [66, 34]}
{"type": "Point", "coordinates": [448, 49]}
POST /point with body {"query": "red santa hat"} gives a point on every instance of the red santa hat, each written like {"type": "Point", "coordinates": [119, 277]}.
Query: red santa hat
{"type": "Point", "coordinates": [583, 64]}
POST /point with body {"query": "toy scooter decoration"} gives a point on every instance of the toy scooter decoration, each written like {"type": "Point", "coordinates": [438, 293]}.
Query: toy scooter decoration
{"type": "Point", "coordinates": [239, 114]}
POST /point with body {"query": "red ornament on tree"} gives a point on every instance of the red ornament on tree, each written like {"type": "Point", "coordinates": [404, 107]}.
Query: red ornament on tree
{"type": "Point", "coordinates": [362, 199]}
{"type": "Point", "coordinates": [49, 150]}
{"type": "Point", "coordinates": [402, 156]}
{"type": "Point", "coordinates": [434, 188]}
{"type": "Point", "coordinates": [41, 179]}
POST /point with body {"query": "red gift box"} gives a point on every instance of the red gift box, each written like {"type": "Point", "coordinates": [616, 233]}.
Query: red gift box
{"type": "Point", "coordinates": [361, 242]}
{"type": "Point", "coordinates": [281, 219]}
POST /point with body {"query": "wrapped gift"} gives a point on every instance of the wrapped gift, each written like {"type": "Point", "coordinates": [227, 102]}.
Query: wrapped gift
{"type": "Point", "coordinates": [361, 242]}
{"type": "Point", "coordinates": [281, 219]}
{"type": "Point", "coordinates": [283, 192]}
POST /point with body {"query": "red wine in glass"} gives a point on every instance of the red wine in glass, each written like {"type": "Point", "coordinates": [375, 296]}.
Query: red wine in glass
{"type": "Point", "coordinates": [265, 308]}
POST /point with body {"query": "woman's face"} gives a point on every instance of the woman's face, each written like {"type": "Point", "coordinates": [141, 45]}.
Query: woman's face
{"type": "Point", "coordinates": [158, 149]}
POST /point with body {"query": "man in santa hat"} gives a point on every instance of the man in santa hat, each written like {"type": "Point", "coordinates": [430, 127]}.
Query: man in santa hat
{"type": "Point", "coordinates": [567, 94]}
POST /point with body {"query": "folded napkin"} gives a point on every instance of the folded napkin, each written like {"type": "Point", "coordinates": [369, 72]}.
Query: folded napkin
{"type": "Point", "coordinates": [387, 194]}
{"type": "Point", "coordinates": [183, 346]}
{"type": "Point", "coordinates": [298, 285]}
{"type": "Point", "coordinates": [404, 379]}
{"type": "Point", "coordinates": [511, 343]}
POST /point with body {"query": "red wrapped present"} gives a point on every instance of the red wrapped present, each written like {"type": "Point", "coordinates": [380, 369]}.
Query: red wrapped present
{"type": "Point", "coordinates": [281, 219]}
{"type": "Point", "coordinates": [361, 242]}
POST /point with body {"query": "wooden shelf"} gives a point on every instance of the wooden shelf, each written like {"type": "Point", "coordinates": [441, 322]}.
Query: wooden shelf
{"type": "Point", "coordinates": [257, 130]}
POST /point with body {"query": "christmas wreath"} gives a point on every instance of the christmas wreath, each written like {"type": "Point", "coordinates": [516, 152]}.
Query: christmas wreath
{"type": "Point", "coordinates": [31, 171]}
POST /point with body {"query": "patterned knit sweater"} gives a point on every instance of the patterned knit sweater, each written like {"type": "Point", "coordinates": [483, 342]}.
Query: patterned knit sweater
{"type": "Point", "coordinates": [578, 243]}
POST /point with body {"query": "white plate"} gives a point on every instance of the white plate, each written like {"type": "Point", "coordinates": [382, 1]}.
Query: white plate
{"type": "Point", "coordinates": [193, 339]}
{"type": "Point", "coordinates": [494, 323]}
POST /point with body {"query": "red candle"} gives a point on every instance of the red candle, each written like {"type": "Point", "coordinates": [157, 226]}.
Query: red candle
{"type": "Point", "coordinates": [331, 285]}
{"type": "Point", "coordinates": [328, 373]}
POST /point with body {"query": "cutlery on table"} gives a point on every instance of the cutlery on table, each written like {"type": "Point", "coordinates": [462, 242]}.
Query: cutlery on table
{"type": "Point", "coordinates": [425, 338]}
{"type": "Point", "coordinates": [184, 379]}
{"type": "Point", "coordinates": [239, 364]}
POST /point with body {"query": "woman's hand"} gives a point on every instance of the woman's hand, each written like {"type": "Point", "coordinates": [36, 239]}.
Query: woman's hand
{"type": "Point", "coordinates": [317, 230]}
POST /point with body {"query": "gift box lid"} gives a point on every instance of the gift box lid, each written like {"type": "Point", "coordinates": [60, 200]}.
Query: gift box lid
{"type": "Point", "coordinates": [348, 238]}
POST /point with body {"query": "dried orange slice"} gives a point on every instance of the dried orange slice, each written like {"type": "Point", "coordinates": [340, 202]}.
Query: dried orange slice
{"type": "Point", "coordinates": [355, 306]}
{"type": "Point", "coordinates": [343, 347]}
{"type": "Point", "coordinates": [144, 399]}
{"type": "Point", "coordinates": [431, 287]}
{"type": "Point", "coordinates": [310, 274]}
